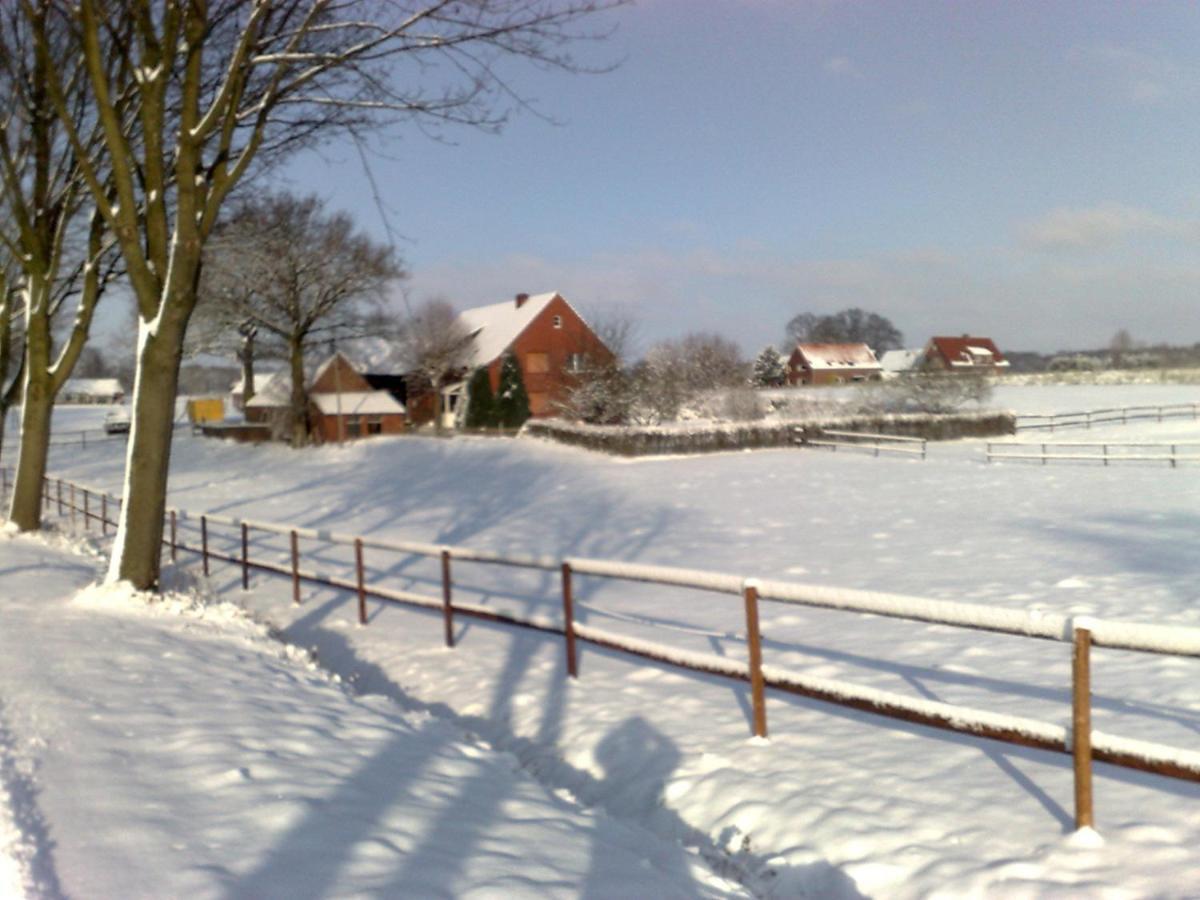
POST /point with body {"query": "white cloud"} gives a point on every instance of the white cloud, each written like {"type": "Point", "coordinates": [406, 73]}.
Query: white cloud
{"type": "Point", "coordinates": [1136, 76]}
{"type": "Point", "coordinates": [842, 67]}
{"type": "Point", "coordinates": [1101, 227]}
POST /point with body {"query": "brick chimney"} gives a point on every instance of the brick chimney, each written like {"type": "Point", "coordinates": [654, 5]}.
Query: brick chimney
{"type": "Point", "coordinates": [521, 298]}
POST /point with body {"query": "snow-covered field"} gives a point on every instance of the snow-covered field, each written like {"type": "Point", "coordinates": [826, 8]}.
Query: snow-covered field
{"type": "Point", "coordinates": [835, 803]}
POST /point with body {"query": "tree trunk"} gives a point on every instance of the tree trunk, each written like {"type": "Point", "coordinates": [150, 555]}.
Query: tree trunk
{"type": "Point", "coordinates": [247, 368]}
{"type": "Point", "coordinates": [299, 403]}
{"type": "Point", "coordinates": [138, 545]}
{"type": "Point", "coordinates": [25, 507]}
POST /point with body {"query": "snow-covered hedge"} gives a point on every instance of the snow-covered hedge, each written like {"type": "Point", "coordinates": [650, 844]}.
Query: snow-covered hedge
{"type": "Point", "coordinates": [1105, 376]}
{"type": "Point", "coordinates": [704, 437]}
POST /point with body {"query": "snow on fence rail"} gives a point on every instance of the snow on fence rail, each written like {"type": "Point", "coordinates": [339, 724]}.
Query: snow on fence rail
{"type": "Point", "coordinates": [1093, 451]}
{"type": "Point", "coordinates": [1123, 414]}
{"type": "Point", "coordinates": [1085, 745]}
{"type": "Point", "coordinates": [859, 440]}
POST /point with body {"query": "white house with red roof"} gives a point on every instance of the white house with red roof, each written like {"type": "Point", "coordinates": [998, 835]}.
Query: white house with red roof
{"type": "Point", "coordinates": [965, 354]}
{"type": "Point", "coordinates": [833, 364]}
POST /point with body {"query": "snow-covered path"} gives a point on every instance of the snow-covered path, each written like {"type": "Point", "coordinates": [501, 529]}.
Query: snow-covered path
{"type": "Point", "coordinates": [182, 752]}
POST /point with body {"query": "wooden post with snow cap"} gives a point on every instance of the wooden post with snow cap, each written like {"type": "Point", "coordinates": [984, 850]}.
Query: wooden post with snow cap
{"type": "Point", "coordinates": [245, 557]}
{"type": "Point", "coordinates": [204, 544]}
{"type": "Point", "coordinates": [295, 546]}
{"type": "Point", "coordinates": [754, 644]}
{"type": "Point", "coordinates": [569, 621]}
{"type": "Point", "coordinates": [447, 607]}
{"type": "Point", "coordinates": [58, 491]}
{"type": "Point", "coordinates": [360, 581]}
{"type": "Point", "coordinates": [1081, 720]}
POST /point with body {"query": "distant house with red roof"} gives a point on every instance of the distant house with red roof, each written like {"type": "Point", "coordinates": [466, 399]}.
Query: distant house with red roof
{"type": "Point", "coordinates": [963, 354]}
{"type": "Point", "coordinates": [833, 364]}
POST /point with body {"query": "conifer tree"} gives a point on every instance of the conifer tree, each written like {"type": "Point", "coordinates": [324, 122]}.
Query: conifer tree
{"type": "Point", "coordinates": [769, 368]}
{"type": "Point", "coordinates": [481, 404]}
{"type": "Point", "coordinates": [512, 401]}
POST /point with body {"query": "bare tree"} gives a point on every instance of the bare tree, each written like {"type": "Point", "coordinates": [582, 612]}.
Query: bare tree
{"type": "Point", "coordinates": [223, 85]}
{"type": "Point", "coordinates": [601, 388]}
{"type": "Point", "coordinates": [1121, 345]}
{"type": "Point", "coordinates": [435, 346]}
{"type": "Point", "coordinates": [284, 267]}
{"type": "Point", "coordinates": [58, 243]}
{"type": "Point", "coordinates": [12, 336]}
{"type": "Point", "coordinates": [676, 372]}
{"type": "Point", "coordinates": [850, 326]}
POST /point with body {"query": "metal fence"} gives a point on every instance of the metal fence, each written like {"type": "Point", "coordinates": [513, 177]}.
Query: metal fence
{"type": "Point", "coordinates": [860, 440]}
{"type": "Point", "coordinates": [210, 537]}
{"type": "Point", "coordinates": [1123, 415]}
{"type": "Point", "coordinates": [1093, 451]}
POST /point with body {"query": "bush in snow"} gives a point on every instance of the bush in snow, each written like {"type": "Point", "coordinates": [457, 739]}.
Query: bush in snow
{"type": "Point", "coordinates": [675, 373]}
{"type": "Point", "coordinates": [1075, 363]}
{"type": "Point", "coordinates": [512, 401]}
{"type": "Point", "coordinates": [770, 369]}
{"type": "Point", "coordinates": [481, 404]}
{"type": "Point", "coordinates": [930, 393]}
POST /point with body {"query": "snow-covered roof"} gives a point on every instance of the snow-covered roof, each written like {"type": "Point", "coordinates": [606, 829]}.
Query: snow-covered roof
{"type": "Point", "coordinates": [838, 356]}
{"type": "Point", "coordinates": [900, 360]}
{"type": "Point", "coordinates": [261, 374]}
{"type": "Point", "coordinates": [358, 403]}
{"type": "Point", "coordinates": [95, 387]}
{"type": "Point", "coordinates": [275, 390]}
{"type": "Point", "coordinates": [968, 351]}
{"type": "Point", "coordinates": [496, 326]}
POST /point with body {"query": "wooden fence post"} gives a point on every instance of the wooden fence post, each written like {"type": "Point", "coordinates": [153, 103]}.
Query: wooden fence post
{"type": "Point", "coordinates": [87, 524]}
{"type": "Point", "coordinates": [58, 491]}
{"type": "Point", "coordinates": [754, 642]}
{"type": "Point", "coordinates": [104, 513]}
{"type": "Point", "coordinates": [447, 607]}
{"type": "Point", "coordinates": [362, 590]}
{"type": "Point", "coordinates": [569, 621]}
{"type": "Point", "coordinates": [295, 541]}
{"type": "Point", "coordinates": [245, 557]}
{"type": "Point", "coordinates": [174, 541]}
{"type": "Point", "coordinates": [1081, 725]}
{"type": "Point", "coordinates": [204, 544]}
{"type": "Point", "coordinates": [72, 505]}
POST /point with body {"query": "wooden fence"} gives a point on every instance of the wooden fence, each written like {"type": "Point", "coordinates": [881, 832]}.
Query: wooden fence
{"type": "Point", "coordinates": [1124, 415]}
{"type": "Point", "coordinates": [860, 440]}
{"type": "Point", "coordinates": [1093, 451]}
{"type": "Point", "coordinates": [95, 510]}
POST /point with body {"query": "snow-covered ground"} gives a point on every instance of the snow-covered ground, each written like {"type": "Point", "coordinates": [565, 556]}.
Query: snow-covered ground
{"type": "Point", "coordinates": [836, 803]}
{"type": "Point", "coordinates": [177, 750]}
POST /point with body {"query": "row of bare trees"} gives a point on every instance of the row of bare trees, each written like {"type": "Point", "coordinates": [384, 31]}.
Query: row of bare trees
{"type": "Point", "coordinates": [126, 126]}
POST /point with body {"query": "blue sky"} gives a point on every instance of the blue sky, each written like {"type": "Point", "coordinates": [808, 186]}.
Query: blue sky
{"type": "Point", "coordinates": [1025, 170]}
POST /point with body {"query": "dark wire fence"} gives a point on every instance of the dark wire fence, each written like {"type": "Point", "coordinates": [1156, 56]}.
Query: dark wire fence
{"type": "Point", "coordinates": [226, 539]}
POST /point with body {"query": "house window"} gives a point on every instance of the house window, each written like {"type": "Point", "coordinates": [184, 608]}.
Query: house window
{"type": "Point", "coordinates": [575, 363]}
{"type": "Point", "coordinates": [537, 363]}
{"type": "Point", "coordinates": [558, 321]}
{"type": "Point", "coordinates": [375, 425]}
{"type": "Point", "coordinates": [353, 426]}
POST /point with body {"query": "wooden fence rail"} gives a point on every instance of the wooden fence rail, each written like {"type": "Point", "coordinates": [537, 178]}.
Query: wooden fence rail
{"type": "Point", "coordinates": [860, 440]}
{"type": "Point", "coordinates": [1122, 414]}
{"type": "Point", "coordinates": [1080, 741]}
{"type": "Point", "coordinates": [1093, 451]}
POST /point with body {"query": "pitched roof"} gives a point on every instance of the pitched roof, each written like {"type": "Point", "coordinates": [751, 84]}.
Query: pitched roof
{"type": "Point", "coordinates": [275, 390]}
{"type": "Point", "coordinates": [837, 356]}
{"type": "Point", "coordinates": [497, 325]}
{"type": "Point", "coordinates": [358, 403]}
{"type": "Point", "coordinates": [900, 360]}
{"type": "Point", "coordinates": [966, 350]}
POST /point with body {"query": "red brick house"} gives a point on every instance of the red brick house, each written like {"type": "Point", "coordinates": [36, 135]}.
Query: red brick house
{"type": "Point", "coordinates": [343, 402]}
{"type": "Point", "coordinates": [549, 338]}
{"type": "Point", "coordinates": [963, 354]}
{"type": "Point", "coordinates": [833, 364]}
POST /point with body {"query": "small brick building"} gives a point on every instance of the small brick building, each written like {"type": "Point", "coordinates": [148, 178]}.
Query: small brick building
{"type": "Point", "coordinates": [833, 364]}
{"type": "Point", "coordinates": [359, 402]}
{"type": "Point", "coordinates": [549, 338]}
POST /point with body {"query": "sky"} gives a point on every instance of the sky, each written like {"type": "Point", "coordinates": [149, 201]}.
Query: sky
{"type": "Point", "coordinates": [1028, 171]}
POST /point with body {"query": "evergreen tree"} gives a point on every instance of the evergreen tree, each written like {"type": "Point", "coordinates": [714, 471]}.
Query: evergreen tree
{"type": "Point", "coordinates": [481, 404]}
{"type": "Point", "coordinates": [512, 402]}
{"type": "Point", "coordinates": [770, 370]}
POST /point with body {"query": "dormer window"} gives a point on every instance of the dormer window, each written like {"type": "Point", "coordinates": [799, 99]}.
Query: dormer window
{"type": "Point", "coordinates": [557, 321]}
